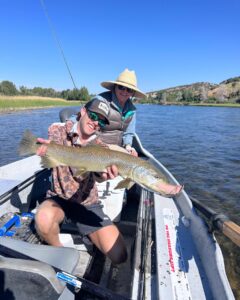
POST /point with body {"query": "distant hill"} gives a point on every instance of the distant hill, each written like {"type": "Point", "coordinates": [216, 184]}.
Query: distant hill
{"type": "Point", "coordinates": [227, 91]}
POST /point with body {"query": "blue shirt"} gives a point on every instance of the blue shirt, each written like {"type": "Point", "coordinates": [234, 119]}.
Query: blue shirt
{"type": "Point", "coordinates": [130, 131]}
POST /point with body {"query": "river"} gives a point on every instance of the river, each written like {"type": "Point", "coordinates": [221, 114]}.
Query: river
{"type": "Point", "coordinates": [199, 145]}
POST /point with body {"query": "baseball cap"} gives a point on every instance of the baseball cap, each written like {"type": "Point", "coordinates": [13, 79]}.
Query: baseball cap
{"type": "Point", "coordinates": [99, 106]}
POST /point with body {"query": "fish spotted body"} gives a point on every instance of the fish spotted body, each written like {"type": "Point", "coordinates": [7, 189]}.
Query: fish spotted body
{"type": "Point", "coordinates": [94, 158]}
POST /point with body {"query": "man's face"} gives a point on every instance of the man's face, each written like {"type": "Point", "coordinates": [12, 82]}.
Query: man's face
{"type": "Point", "coordinates": [88, 126]}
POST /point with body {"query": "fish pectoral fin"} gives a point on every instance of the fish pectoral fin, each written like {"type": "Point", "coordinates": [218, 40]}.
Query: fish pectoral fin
{"type": "Point", "coordinates": [125, 184]}
{"type": "Point", "coordinates": [49, 162]}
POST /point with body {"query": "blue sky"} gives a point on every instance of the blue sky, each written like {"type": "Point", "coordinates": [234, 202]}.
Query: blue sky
{"type": "Point", "coordinates": [167, 42]}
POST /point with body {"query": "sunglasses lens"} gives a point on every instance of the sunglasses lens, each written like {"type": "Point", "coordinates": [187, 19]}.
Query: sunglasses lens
{"type": "Point", "coordinates": [123, 88]}
{"type": "Point", "coordinates": [94, 117]}
{"type": "Point", "coordinates": [101, 123]}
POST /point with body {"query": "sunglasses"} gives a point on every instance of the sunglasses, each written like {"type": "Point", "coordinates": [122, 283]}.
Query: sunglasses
{"type": "Point", "coordinates": [94, 117]}
{"type": "Point", "coordinates": [123, 88]}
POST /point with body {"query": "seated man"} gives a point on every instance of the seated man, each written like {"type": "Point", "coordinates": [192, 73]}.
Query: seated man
{"type": "Point", "coordinates": [122, 114]}
{"type": "Point", "coordinates": [75, 197]}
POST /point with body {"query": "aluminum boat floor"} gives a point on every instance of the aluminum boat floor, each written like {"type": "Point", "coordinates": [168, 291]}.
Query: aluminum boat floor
{"type": "Point", "coordinates": [179, 267]}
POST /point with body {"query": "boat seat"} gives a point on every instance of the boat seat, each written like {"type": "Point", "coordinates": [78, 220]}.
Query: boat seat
{"type": "Point", "coordinates": [34, 278]}
{"type": "Point", "coordinates": [42, 282]}
{"type": "Point", "coordinates": [67, 112]}
{"type": "Point", "coordinates": [62, 258]}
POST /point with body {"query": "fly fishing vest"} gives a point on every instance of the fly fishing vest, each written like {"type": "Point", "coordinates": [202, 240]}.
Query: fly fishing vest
{"type": "Point", "coordinates": [118, 121]}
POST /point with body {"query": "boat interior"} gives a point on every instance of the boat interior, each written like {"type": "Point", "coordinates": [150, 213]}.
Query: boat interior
{"type": "Point", "coordinates": [26, 260]}
{"type": "Point", "coordinates": [171, 254]}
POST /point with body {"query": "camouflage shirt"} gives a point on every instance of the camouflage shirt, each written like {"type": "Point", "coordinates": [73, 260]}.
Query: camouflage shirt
{"type": "Point", "coordinates": [64, 183]}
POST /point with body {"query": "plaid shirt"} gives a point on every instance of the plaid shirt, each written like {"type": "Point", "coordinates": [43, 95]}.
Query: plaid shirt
{"type": "Point", "coordinates": [64, 183]}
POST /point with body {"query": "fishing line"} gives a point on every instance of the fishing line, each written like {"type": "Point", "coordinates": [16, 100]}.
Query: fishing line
{"type": "Point", "coordinates": [56, 39]}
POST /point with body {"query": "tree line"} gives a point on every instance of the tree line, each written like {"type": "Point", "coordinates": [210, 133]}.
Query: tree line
{"type": "Point", "coordinates": [8, 88]}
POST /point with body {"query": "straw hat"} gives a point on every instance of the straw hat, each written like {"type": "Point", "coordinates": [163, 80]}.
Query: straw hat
{"type": "Point", "coordinates": [128, 79]}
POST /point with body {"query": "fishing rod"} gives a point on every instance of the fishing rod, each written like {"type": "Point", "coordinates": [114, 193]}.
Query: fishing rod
{"type": "Point", "coordinates": [219, 222]}
{"type": "Point", "coordinates": [57, 40]}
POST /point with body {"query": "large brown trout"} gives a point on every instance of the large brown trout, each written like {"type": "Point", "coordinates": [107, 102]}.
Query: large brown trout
{"type": "Point", "coordinates": [96, 159]}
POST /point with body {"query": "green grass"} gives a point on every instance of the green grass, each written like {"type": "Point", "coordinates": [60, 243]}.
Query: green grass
{"type": "Point", "coordinates": [28, 102]}
{"type": "Point", "coordinates": [11, 103]}
{"type": "Point", "coordinates": [216, 104]}
{"type": "Point", "coordinates": [192, 104]}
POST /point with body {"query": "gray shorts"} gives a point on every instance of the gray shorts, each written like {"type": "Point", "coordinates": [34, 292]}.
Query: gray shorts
{"type": "Point", "coordinates": [88, 219]}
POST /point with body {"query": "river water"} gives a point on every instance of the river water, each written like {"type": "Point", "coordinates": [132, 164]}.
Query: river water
{"type": "Point", "coordinates": [199, 145]}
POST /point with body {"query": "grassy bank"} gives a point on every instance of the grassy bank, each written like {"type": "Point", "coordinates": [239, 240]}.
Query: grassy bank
{"type": "Point", "coordinates": [216, 104]}
{"type": "Point", "coordinates": [9, 103]}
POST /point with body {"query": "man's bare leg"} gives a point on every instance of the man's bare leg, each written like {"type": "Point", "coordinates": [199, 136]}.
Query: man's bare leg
{"type": "Point", "coordinates": [110, 241]}
{"type": "Point", "coordinates": [48, 217]}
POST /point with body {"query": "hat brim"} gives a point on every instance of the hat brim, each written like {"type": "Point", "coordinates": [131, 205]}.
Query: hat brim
{"type": "Point", "coordinates": [93, 109]}
{"type": "Point", "coordinates": [97, 112]}
{"type": "Point", "coordinates": [109, 85]}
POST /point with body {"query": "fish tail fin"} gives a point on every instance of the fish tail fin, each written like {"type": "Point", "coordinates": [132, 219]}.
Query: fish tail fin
{"type": "Point", "coordinates": [28, 144]}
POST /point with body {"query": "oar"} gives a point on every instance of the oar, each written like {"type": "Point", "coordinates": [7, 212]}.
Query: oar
{"type": "Point", "coordinates": [219, 221]}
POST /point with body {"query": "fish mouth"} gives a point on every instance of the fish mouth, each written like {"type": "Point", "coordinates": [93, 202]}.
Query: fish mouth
{"type": "Point", "coordinates": [167, 190]}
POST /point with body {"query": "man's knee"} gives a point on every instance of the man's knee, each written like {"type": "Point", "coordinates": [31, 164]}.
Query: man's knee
{"type": "Point", "coordinates": [109, 240]}
{"type": "Point", "coordinates": [44, 221]}
{"type": "Point", "coordinates": [49, 214]}
{"type": "Point", "coordinates": [47, 220]}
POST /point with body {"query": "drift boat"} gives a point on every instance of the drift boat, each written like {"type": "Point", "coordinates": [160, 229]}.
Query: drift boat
{"type": "Point", "coordinates": [172, 254]}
